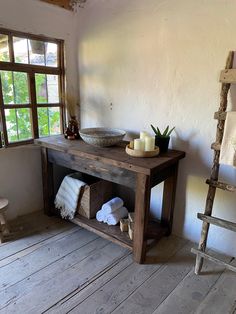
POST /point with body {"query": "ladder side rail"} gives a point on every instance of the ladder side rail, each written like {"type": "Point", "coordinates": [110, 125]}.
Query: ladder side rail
{"type": "Point", "coordinates": [215, 168]}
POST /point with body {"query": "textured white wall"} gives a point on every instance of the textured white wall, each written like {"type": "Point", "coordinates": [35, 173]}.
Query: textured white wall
{"type": "Point", "coordinates": [158, 61]}
{"type": "Point", "coordinates": [20, 168]}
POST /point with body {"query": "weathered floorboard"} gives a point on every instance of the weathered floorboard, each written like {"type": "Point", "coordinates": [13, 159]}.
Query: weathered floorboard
{"type": "Point", "coordinates": [61, 272]}
{"type": "Point", "coordinates": [108, 297]}
{"type": "Point", "coordinates": [222, 298]}
{"type": "Point", "coordinates": [41, 297]}
{"type": "Point", "coordinates": [27, 285]}
{"type": "Point", "coordinates": [152, 293]}
{"type": "Point", "coordinates": [36, 246]}
{"type": "Point", "coordinates": [185, 298]}
{"type": "Point", "coordinates": [27, 236]}
{"type": "Point", "coordinates": [42, 257]}
{"type": "Point", "coordinates": [79, 295]}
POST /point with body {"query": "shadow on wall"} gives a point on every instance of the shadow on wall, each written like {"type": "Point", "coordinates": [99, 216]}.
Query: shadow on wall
{"type": "Point", "coordinates": [192, 165]}
{"type": "Point", "coordinates": [195, 166]}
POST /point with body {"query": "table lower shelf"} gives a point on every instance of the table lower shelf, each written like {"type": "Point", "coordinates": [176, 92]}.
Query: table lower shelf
{"type": "Point", "coordinates": [114, 234]}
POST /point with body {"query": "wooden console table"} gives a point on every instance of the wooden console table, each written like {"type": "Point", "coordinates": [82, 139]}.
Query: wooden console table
{"type": "Point", "coordinates": [114, 165]}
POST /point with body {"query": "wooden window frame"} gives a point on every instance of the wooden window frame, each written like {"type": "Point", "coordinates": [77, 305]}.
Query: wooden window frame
{"type": "Point", "coordinates": [31, 70]}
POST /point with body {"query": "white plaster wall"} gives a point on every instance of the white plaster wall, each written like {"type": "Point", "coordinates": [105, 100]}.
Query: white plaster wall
{"type": "Point", "coordinates": [158, 61]}
{"type": "Point", "coordinates": [20, 168]}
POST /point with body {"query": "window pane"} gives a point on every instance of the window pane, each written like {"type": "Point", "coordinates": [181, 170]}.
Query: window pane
{"type": "Point", "coordinates": [21, 88]}
{"type": "Point", "coordinates": [43, 121]}
{"type": "Point", "coordinates": [41, 88]}
{"type": "Point", "coordinates": [18, 124]}
{"type": "Point", "coordinates": [20, 46]}
{"type": "Point", "coordinates": [47, 88]}
{"type": "Point", "coordinates": [49, 121]}
{"type": "Point", "coordinates": [11, 119]}
{"type": "Point", "coordinates": [51, 55]}
{"type": "Point", "coordinates": [15, 87]}
{"type": "Point", "coordinates": [37, 52]}
{"type": "Point", "coordinates": [54, 120]}
{"type": "Point", "coordinates": [24, 123]}
{"type": "Point", "coordinates": [52, 84]}
{"type": "Point", "coordinates": [4, 49]}
{"type": "Point", "coordinates": [7, 87]}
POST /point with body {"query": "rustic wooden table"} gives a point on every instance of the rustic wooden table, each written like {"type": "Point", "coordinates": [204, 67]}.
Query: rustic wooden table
{"type": "Point", "coordinates": [114, 165]}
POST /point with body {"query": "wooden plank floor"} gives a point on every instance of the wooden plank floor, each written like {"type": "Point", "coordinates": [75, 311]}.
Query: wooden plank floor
{"type": "Point", "coordinates": [53, 266]}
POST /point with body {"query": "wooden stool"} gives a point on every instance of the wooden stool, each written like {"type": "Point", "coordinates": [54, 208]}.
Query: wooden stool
{"type": "Point", "coordinates": [3, 224]}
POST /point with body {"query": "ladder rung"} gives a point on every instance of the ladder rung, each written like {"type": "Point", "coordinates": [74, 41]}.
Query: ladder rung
{"type": "Point", "coordinates": [221, 185]}
{"type": "Point", "coordinates": [228, 76]}
{"type": "Point", "coordinates": [216, 146]}
{"type": "Point", "coordinates": [217, 221]}
{"type": "Point", "coordinates": [213, 259]}
{"type": "Point", "coordinates": [220, 115]}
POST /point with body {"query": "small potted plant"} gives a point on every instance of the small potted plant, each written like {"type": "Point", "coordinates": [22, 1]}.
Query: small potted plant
{"type": "Point", "coordinates": [162, 139]}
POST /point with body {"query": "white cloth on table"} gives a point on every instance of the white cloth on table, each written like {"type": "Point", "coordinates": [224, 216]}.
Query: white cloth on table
{"type": "Point", "coordinates": [68, 194]}
{"type": "Point", "coordinates": [228, 145]}
{"type": "Point", "coordinates": [112, 205]}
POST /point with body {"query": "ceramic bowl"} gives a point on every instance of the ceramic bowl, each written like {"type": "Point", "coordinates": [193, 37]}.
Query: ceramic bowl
{"type": "Point", "coordinates": [102, 137]}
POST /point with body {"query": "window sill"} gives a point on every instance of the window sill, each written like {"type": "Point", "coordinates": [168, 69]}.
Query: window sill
{"type": "Point", "coordinates": [18, 147]}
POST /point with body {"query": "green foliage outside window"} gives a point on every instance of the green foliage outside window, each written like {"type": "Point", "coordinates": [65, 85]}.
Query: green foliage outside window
{"type": "Point", "coordinates": [15, 91]}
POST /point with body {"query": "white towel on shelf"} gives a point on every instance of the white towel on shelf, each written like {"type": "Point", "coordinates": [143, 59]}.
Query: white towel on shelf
{"type": "Point", "coordinates": [112, 205]}
{"type": "Point", "coordinates": [228, 145]}
{"type": "Point", "coordinates": [100, 216]}
{"type": "Point", "coordinates": [68, 194]}
{"type": "Point", "coordinates": [116, 216]}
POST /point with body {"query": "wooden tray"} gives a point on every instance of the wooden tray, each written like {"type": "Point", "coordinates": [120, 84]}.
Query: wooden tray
{"type": "Point", "coordinates": [140, 153]}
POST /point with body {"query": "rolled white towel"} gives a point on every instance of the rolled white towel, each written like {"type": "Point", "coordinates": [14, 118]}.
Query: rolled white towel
{"type": "Point", "coordinates": [112, 205]}
{"type": "Point", "coordinates": [116, 216]}
{"type": "Point", "coordinates": [100, 216]}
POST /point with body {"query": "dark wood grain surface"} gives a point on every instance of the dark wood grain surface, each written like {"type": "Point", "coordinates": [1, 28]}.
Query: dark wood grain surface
{"type": "Point", "coordinates": [114, 165]}
{"type": "Point", "coordinates": [114, 155]}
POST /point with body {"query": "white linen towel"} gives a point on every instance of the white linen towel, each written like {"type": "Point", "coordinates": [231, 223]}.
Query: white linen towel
{"type": "Point", "coordinates": [112, 205]}
{"type": "Point", "coordinates": [68, 194]}
{"type": "Point", "coordinates": [116, 216]}
{"type": "Point", "coordinates": [100, 216]}
{"type": "Point", "coordinates": [228, 145]}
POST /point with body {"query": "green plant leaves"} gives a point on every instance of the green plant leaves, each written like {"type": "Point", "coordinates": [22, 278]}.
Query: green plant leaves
{"type": "Point", "coordinates": [166, 132]}
{"type": "Point", "coordinates": [154, 130]}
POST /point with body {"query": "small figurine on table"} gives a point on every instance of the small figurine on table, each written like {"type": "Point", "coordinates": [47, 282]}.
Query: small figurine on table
{"type": "Point", "coordinates": [72, 131]}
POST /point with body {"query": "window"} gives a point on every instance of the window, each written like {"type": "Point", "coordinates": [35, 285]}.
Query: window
{"type": "Point", "coordinates": [31, 87]}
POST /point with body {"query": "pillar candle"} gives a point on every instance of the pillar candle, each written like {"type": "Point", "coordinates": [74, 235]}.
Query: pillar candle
{"type": "Point", "coordinates": [143, 134]}
{"type": "Point", "coordinates": [139, 144]}
{"type": "Point", "coordinates": [149, 143]}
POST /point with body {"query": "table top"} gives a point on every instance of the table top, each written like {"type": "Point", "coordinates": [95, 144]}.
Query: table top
{"type": "Point", "coordinates": [114, 155]}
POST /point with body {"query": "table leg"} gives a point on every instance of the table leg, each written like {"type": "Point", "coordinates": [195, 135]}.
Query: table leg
{"type": "Point", "coordinates": [142, 206]}
{"type": "Point", "coordinates": [168, 201]}
{"type": "Point", "coordinates": [47, 173]}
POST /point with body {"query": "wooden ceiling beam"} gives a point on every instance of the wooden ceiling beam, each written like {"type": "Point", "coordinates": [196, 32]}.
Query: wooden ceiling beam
{"type": "Point", "coordinates": [66, 4]}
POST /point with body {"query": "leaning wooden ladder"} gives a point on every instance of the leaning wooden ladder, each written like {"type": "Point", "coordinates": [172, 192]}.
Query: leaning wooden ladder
{"type": "Point", "coordinates": [227, 77]}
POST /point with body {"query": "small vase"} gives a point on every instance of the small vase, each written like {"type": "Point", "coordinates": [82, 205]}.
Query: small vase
{"type": "Point", "coordinates": [162, 143]}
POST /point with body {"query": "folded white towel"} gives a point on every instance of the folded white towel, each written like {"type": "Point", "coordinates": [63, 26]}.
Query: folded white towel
{"type": "Point", "coordinates": [112, 205]}
{"type": "Point", "coordinates": [116, 216]}
{"type": "Point", "coordinates": [67, 196]}
{"type": "Point", "coordinates": [100, 216]}
{"type": "Point", "coordinates": [228, 146]}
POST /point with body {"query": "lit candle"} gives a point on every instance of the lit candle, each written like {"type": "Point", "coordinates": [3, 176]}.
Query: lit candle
{"type": "Point", "coordinates": [139, 144]}
{"type": "Point", "coordinates": [143, 134]}
{"type": "Point", "coordinates": [149, 143]}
